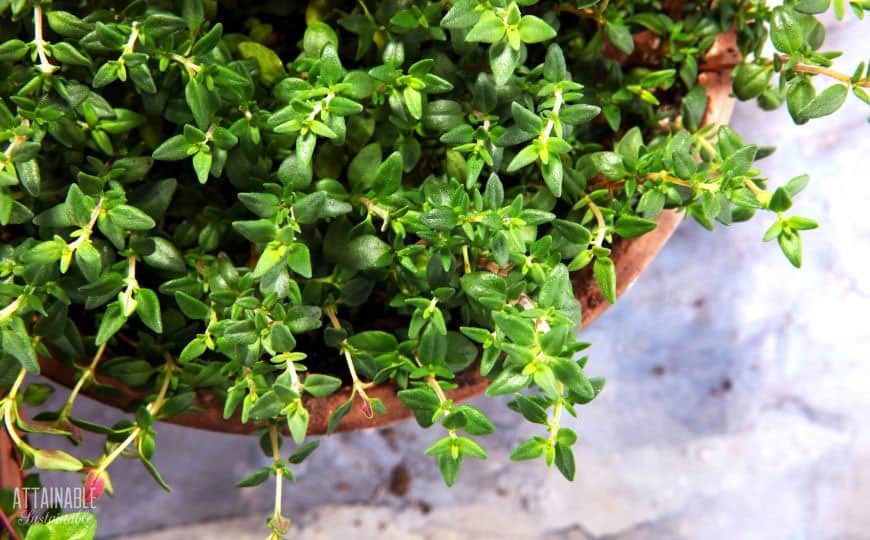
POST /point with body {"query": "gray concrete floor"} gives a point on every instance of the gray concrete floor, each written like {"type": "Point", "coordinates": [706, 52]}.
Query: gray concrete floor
{"type": "Point", "coordinates": [736, 403]}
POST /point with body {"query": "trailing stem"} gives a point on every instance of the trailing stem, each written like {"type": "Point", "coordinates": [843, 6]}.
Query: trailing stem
{"type": "Point", "coordinates": [153, 408]}
{"type": "Point", "coordinates": [45, 66]}
{"type": "Point", "coordinates": [359, 387]}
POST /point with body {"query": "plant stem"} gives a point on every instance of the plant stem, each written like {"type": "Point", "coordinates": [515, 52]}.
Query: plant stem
{"type": "Point", "coordinates": [10, 410]}
{"type": "Point", "coordinates": [358, 386]}
{"type": "Point", "coordinates": [153, 408]}
{"type": "Point", "coordinates": [551, 123]}
{"type": "Point", "coordinates": [127, 301]}
{"type": "Point", "coordinates": [191, 66]}
{"type": "Point", "coordinates": [7, 312]}
{"type": "Point", "coordinates": [828, 72]}
{"type": "Point", "coordinates": [279, 477]}
{"type": "Point", "coordinates": [374, 208]}
{"type": "Point", "coordinates": [131, 42]}
{"type": "Point", "coordinates": [89, 373]}
{"type": "Point", "coordinates": [557, 414]}
{"type": "Point", "coordinates": [707, 146]}
{"type": "Point", "coordinates": [602, 226]}
{"type": "Point", "coordinates": [13, 391]}
{"type": "Point", "coordinates": [664, 176]}
{"type": "Point", "coordinates": [45, 66]}
{"type": "Point", "coordinates": [88, 229]}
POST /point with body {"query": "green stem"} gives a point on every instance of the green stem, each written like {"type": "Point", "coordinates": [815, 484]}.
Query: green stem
{"type": "Point", "coordinates": [7, 312]}
{"type": "Point", "coordinates": [358, 386]}
{"type": "Point", "coordinates": [88, 374]}
{"type": "Point", "coordinates": [599, 219]}
{"type": "Point", "coordinates": [557, 414]}
{"type": "Point", "coordinates": [153, 408]}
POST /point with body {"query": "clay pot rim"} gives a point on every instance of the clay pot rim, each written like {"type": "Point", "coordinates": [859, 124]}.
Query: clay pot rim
{"type": "Point", "coordinates": [630, 258]}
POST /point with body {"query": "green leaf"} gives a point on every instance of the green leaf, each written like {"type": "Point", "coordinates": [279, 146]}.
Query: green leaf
{"type": "Point", "coordinates": [462, 14]}
{"type": "Point", "coordinates": [493, 195]}
{"type": "Point", "coordinates": [555, 68]}
{"type": "Point", "coordinates": [535, 30]}
{"type": "Point", "coordinates": [337, 415]}
{"type": "Point", "coordinates": [299, 259]}
{"type": "Point", "coordinates": [12, 50]}
{"type": "Point", "coordinates": [468, 447]}
{"type": "Point", "coordinates": [439, 219]}
{"type": "Point", "coordinates": [165, 256]}
{"type": "Point", "coordinates": [570, 373]}
{"type": "Point", "coordinates": [73, 526]}
{"type": "Point", "coordinates": [321, 385]}
{"type": "Point", "coordinates": [16, 343]}
{"type": "Point", "coordinates": [790, 243]}
{"type": "Point", "coordinates": [605, 276]}
{"type": "Point", "coordinates": [449, 467]}
{"type": "Point", "coordinates": [565, 461]}
{"type": "Point", "coordinates": [629, 226]}
{"type": "Point", "coordinates": [29, 176]}
{"type": "Point", "coordinates": [270, 64]}
{"type": "Point", "coordinates": [812, 7]}
{"type": "Point", "coordinates": [65, 53]}
{"type": "Point", "coordinates": [693, 106]}
{"type": "Point", "coordinates": [267, 406]}
{"type": "Point", "coordinates": [518, 329]}
{"type": "Point", "coordinates": [172, 149]}
{"type": "Point", "coordinates": [303, 452]}
{"type": "Point", "coordinates": [317, 36]}
{"type": "Point", "coordinates": [476, 421]}
{"type": "Point", "coordinates": [200, 102]}
{"type": "Point", "coordinates": [780, 201]}
{"type": "Point", "coordinates": [831, 99]}
{"type": "Point", "coordinates": [786, 33]}
{"type": "Point", "coordinates": [130, 218]}
{"type": "Point", "coordinates": [297, 423]}
{"type": "Point", "coordinates": [414, 102]}
{"type": "Point", "coordinates": [750, 80]}
{"type": "Point", "coordinates": [112, 321]}
{"type": "Point", "coordinates": [531, 409]}
{"type": "Point", "coordinates": [191, 307]}
{"type": "Point", "coordinates": [55, 460]}
{"type": "Point", "coordinates": [503, 61]}
{"type": "Point", "coordinates": [607, 163]}
{"type": "Point", "coordinates": [423, 398]}
{"type": "Point", "coordinates": [620, 36]}
{"type": "Point", "coordinates": [388, 175]}
{"type": "Point", "coordinates": [488, 29]}
{"type": "Point", "coordinates": [148, 309]}
{"type": "Point", "coordinates": [526, 156]}
{"type": "Point", "coordinates": [374, 341]}
{"type": "Point", "coordinates": [553, 175]}
{"type": "Point", "coordinates": [525, 119]}
{"type": "Point", "coordinates": [530, 449]}
{"type": "Point", "coordinates": [202, 162]}
{"type": "Point", "coordinates": [269, 258]}
{"type": "Point", "coordinates": [507, 382]}
{"type": "Point", "coordinates": [255, 479]}
{"type": "Point", "coordinates": [367, 252]}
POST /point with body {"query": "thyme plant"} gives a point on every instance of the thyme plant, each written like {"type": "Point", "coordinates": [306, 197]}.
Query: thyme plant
{"type": "Point", "coordinates": [269, 200]}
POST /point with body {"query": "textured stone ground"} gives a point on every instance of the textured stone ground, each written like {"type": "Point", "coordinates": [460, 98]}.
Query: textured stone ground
{"type": "Point", "coordinates": [736, 406]}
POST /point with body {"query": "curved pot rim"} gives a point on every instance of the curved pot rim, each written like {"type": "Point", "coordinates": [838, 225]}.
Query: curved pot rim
{"type": "Point", "coordinates": [630, 258]}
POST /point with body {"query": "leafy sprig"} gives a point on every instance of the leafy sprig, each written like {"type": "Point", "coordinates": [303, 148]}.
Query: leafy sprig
{"type": "Point", "coordinates": [192, 205]}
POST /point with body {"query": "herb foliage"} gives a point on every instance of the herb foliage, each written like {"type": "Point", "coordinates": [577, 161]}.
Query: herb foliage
{"type": "Point", "coordinates": [194, 203]}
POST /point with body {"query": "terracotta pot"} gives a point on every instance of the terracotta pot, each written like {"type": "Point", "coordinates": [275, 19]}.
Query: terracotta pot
{"type": "Point", "coordinates": [630, 258]}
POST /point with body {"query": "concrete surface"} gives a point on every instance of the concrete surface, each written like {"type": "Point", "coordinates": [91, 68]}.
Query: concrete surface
{"type": "Point", "coordinates": [736, 407]}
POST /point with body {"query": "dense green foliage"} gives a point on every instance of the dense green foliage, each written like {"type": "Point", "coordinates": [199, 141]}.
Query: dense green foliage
{"type": "Point", "coordinates": [268, 200]}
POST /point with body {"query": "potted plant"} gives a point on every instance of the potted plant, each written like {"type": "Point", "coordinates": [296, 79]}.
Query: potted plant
{"type": "Point", "coordinates": [289, 219]}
